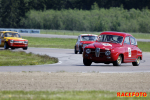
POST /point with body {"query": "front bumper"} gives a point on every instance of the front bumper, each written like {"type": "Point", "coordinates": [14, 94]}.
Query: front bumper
{"type": "Point", "coordinates": [101, 59]}
{"type": "Point", "coordinates": [18, 45]}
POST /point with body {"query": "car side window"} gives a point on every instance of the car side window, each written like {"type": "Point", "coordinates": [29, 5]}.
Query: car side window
{"type": "Point", "coordinates": [2, 35]}
{"type": "Point", "coordinates": [127, 40]}
{"type": "Point", "coordinates": [78, 38]}
{"type": "Point", "coordinates": [133, 42]}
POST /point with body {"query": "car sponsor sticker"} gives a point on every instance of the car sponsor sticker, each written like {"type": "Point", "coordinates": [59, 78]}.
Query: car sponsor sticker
{"type": "Point", "coordinates": [106, 44]}
{"type": "Point", "coordinates": [129, 52]}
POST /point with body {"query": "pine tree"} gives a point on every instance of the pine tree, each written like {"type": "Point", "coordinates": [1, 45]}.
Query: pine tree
{"type": "Point", "coordinates": [12, 11]}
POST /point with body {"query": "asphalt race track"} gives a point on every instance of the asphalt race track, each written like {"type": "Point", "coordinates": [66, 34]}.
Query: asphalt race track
{"type": "Point", "coordinates": [70, 62]}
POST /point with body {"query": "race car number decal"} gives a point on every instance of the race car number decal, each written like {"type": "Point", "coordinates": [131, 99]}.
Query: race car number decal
{"type": "Point", "coordinates": [107, 44]}
{"type": "Point", "coordinates": [129, 52]}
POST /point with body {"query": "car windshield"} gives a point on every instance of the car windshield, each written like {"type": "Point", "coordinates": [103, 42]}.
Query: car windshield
{"type": "Point", "coordinates": [12, 35]}
{"type": "Point", "coordinates": [110, 38]}
{"type": "Point", "coordinates": [88, 38]}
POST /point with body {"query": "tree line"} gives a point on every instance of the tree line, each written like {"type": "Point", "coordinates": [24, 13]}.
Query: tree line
{"type": "Point", "coordinates": [86, 15]}
{"type": "Point", "coordinates": [114, 19]}
{"type": "Point", "coordinates": [79, 4]}
{"type": "Point", "coordinates": [87, 4]}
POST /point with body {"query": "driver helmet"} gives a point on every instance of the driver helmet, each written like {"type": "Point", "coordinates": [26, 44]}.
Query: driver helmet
{"type": "Point", "coordinates": [109, 37]}
{"type": "Point", "coordinates": [119, 39]}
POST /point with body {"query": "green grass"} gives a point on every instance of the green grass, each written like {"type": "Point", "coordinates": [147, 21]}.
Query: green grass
{"type": "Point", "coordinates": [144, 46]}
{"type": "Point", "coordinates": [51, 42]}
{"type": "Point", "coordinates": [64, 32]}
{"type": "Point", "coordinates": [68, 43]}
{"type": "Point", "coordinates": [9, 58]}
{"type": "Point", "coordinates": [65, 95]}
{"type": "Point", "coordinates": [141, 35]}
{"type": "Point", "coordinates": [76, 33]}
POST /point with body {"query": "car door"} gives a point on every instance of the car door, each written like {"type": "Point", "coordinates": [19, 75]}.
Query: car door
{"type": "Point", "coordinates": [128, 50]}
{"type": "Point", "coordinates": [133, 47]}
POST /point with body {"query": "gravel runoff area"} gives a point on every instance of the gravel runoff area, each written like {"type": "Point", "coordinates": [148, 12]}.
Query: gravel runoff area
{"type": "Point", "coordinates": [74, 81]}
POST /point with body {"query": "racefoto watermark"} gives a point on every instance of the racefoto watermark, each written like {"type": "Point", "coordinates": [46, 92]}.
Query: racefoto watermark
{"type": "Point", "coordinates": [131, 94]}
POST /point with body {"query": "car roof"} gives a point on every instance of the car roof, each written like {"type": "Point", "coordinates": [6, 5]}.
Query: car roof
{"type": "Point", "coordinates": [88, 35]}
{"type": "Point", "coordinates": [9, 31]}
{"type": "Point", "coordinates": [116, 33]}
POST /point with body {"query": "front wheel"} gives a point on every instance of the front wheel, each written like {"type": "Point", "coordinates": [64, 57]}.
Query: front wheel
{"type": "Point", "coordinates": [75, 51]}
{"type": "Point", "coordinates": [118, 61]}
{"type": "Point", "coordinates": [137, 62]}
{"type": "Point", "coordinates": [87, 62]}
{"type": "Point", "coordinates": [80, 50]}
{"type": "Point", "coordinates": [6, 46]}
{"type": "Point", "coordinates": [25, 48]}
{"type": "Point", "coordinates": [12, 48]}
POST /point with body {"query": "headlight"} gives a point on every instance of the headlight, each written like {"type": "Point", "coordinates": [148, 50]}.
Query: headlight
{"type": "Point", "coordinates": [11, 41]}
{"type": "Point", "coordinates": [84, 45]}
{"type": "Point", "coordinates": [25, 42]}
{"type": "Point", "coordinates": [107, 53]}
{"type": "Point", "coordinates": [88, 51]}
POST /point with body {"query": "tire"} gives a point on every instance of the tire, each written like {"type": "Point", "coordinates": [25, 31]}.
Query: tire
{"type": "Point", "coordinates": [118, 61]}
{"type": "Point", "coordinates": [12, 48]}
{"type": "Point", "coordinates": [137, 62]}
{"type": "Point", "coordinates": [87, 62]}
{"type": "Point", "coordinates": [106, 63]}
{"type": "Point", "coordinates": [6, 46]}
{"type": "Point", "coordinates": [25, 48]}
{"type": "Point", "coordinates": [75, 51]}
{"type": "Point", "coordinates": [80, 50]}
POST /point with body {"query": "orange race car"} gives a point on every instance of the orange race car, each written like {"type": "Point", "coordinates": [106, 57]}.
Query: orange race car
{"type": "Point", "coordinates": [10, 39]}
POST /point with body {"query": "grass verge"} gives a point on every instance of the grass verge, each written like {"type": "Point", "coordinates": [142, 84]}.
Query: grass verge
{"type": "Point", "coordinates": [76, 33]}
{"type": "Point", "coordinates": [51, 42]}
{"type": "Point", "coordinates": [65, 95]}
{"type": "Point", "coordinates": [9, 58]}
{"type": "Point", "coordinates": [68, 43]}
{"type": "Point", "coordinates": [144, 46]}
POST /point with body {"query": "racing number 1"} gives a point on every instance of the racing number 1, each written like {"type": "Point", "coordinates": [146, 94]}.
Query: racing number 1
{"type": "Point", "coordinates": [129, 52]}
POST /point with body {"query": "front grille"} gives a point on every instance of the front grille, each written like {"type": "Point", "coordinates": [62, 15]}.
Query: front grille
{"type": "Point", "coordinates": [97, 52]}
{"type": "Point", "coordinates": [18, 41]}
{"type": "Point", "coordinates": [101, 53]}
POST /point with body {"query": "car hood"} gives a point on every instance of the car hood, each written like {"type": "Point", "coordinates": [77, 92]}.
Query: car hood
{"type": "Point", "coordinates": [87, 42]}
{"type": "Point", "coordinates": [14, 38]}
{"type": "Point", "coordinates": [103, 45]}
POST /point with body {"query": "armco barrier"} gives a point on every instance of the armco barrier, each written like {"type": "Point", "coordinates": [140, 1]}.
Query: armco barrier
{"type": "Point", "coordinates": [21, 30]}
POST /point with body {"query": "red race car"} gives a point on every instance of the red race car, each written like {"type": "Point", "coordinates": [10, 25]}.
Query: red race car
{"type": "Point", "coordinates": [83, 40]}
{"type": "Point", "coordinates": [113, 47]}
